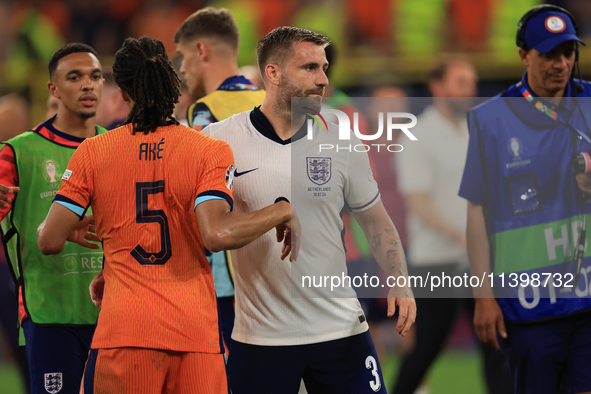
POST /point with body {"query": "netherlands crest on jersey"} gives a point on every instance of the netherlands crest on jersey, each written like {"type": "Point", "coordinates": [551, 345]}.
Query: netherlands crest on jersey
{"type": "Point", "coordinates": [53, 382]}
{"type": "Point", "coordinates": [319, 169]}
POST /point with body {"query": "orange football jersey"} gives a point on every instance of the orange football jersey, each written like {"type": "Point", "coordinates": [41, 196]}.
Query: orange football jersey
{"type": "Point", "coordinates": [143, 189]}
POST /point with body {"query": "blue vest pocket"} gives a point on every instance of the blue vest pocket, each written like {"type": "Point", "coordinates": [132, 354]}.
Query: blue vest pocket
{"type": "Point", "coordinates": [524, 193]}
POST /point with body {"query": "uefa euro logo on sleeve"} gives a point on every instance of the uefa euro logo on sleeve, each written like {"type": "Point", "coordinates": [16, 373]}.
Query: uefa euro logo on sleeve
{"type": "Point", "coordinates": [53, 382]}
{"type": "Point", "coordinates": [319, 169]}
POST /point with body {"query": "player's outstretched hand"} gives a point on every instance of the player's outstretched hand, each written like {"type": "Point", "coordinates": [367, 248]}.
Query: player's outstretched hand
{"type": "Point", "coordinates": [402, 298]}
{"type": "Point", "coordinates": [290, 233]}
{"type": "Point", "coordinates": [85, 231]}
{"type": "Point", "coordinates": [4, 195]}
{"type": "Point", "coordinates": [96, 289]}
{"type": "Point", "coordinates": [488, 318]}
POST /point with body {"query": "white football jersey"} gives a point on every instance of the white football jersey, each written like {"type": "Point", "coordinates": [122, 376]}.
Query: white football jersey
{"type": "Point", "coordinates": [270, 309]}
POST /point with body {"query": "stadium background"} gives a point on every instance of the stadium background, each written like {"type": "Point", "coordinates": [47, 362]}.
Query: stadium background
{"type": "Point", "coordinates": [379, 42]}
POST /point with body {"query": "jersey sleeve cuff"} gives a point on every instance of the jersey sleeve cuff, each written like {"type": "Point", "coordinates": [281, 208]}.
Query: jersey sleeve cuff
{"type": "Point", "coordinates": [71, 205]}
{"type": "Point", "coordinates": [366, 206]}
{"type": "Point", "coordinates": [213, 195]}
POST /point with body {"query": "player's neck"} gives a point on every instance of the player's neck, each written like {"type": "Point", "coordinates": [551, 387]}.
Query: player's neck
{"type": "Point", "coordinates": [74, 125]}
{"type": "Point", "coordinates": [218, 73]}
{"type": "Point", "coordinates": [279, 119]}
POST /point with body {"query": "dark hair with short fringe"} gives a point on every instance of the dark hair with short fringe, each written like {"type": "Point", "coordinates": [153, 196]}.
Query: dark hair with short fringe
{"type": "Point", "coordinates": [142, 69]}
{"type": "Point", "coordinates": [439, 69]}
{"type": "Point", "coordinates": [68, 49]}
{"type": "Point", "coordinates": [209, 22]}
{"type": "Point", "coordinates": [274, 47]}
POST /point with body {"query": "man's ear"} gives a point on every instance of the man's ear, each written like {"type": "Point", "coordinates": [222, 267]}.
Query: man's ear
{"type": "Point", "coordinates": [203, 50]}
{"type": "Point", "coordinates": [523, 56]}
{"type": "Point", "coordinates": [126, 98]}
{"type": "Point", "coordinates": [273, 74]}
{"type": "Point", "coordinates": [53, 89]}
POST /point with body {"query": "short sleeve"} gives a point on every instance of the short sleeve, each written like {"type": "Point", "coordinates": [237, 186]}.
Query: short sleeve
{"type": "Point", "coordinates": [415, 172]}
{"type": "Point", "coordinates": [473, 186]}
{"type": "Point", "coordinates": [217, 176]}
{"type": "Point", "coordinates": [200, 116]}
{"type": "Point", "coordinates": [361, 189]}
{"type": "Point", "coordinates": [77, 182]}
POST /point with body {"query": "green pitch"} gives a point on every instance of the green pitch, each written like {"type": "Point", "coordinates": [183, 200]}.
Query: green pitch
{"type": "Point", "coordinates": [452, 373]}
{"type": "Point", "coordinates": [10, 381]}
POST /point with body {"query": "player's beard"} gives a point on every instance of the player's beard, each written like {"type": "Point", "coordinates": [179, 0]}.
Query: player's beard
{"type": "Point", "coordinates": [304, 101]}
{"type": "Point", "coordinates": [86, 115]}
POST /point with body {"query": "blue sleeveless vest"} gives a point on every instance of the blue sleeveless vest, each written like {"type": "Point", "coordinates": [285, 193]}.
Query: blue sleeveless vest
{"type": "Point", "coordinates": [531, 201]}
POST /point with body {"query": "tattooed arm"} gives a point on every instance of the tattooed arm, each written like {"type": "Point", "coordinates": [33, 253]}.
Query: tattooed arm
{"type": "Point", "coordinates": [387, 250]}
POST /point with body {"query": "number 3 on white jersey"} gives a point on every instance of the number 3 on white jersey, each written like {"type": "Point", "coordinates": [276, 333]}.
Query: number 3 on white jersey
{"type": "Point", "coordinates": [371, 363]}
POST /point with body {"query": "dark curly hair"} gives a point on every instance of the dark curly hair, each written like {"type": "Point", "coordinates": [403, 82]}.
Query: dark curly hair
{"type": "Point", "coordinates": [143, 70]}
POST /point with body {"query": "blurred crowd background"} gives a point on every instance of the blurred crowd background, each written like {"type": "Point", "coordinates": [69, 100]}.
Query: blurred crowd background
{"type": "Point", "coordinates": [378, 41]}
{"type": "Point", "coordinates": [380, 44]}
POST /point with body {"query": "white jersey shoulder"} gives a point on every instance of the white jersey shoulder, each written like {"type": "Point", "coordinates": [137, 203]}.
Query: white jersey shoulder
{"type": "Point", "coordinates": [227, 125]}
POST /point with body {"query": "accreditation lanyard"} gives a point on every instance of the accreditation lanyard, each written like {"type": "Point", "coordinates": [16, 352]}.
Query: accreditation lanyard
{"type": "Point", "coordinates": [543, 108]}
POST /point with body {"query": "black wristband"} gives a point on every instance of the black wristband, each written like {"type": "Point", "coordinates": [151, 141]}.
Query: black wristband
{"type": "Point", "coordinates": [281, 199]}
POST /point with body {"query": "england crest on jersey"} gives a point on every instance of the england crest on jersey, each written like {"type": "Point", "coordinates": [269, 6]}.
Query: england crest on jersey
{"type": "Point", "coordinates": [53, 382]}
{"type": "Point", "coordinates": [319, 169]}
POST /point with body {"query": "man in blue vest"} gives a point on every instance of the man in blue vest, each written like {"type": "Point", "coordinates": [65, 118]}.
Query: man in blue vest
{"type": "Point", "coordinates": [526, 212]}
